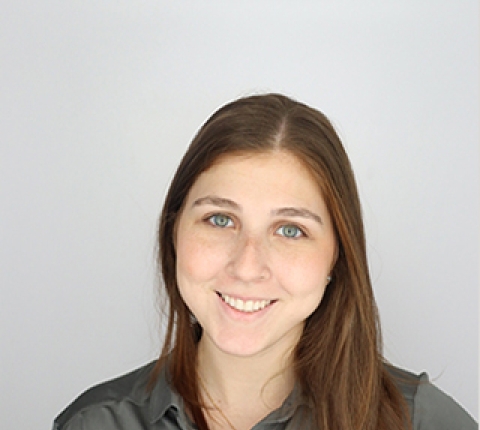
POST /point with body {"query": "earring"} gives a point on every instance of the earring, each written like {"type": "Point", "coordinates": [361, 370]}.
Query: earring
{"type": "Point", "coordinates": [329, 278]}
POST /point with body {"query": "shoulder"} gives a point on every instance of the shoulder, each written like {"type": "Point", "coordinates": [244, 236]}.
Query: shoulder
{"type": "Point", "coordinates": [430, 408]}
{"type": "Point", "coordinates": [104, 405]}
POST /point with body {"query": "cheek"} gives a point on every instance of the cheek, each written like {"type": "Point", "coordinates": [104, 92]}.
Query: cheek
{"type": "Point", "coordinates": [190, 273]}
{"type": "Point", "coordinates": [197, 260]}
{"type": "Point", "coordinates": [305, 274]}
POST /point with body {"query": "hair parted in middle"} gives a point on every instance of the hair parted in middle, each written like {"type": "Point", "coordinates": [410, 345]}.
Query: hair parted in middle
{"type": "Point", "coordinates": [338, 361]}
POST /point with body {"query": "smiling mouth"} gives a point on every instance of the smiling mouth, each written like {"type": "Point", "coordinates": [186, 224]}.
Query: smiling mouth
{"type": "Point", "coordinates": [245, 305]}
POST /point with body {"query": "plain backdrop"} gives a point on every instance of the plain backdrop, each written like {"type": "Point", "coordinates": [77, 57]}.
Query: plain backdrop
{"type": "Point", "coordinates": [98, 101]}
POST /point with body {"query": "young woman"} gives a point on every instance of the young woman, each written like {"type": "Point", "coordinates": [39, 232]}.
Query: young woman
{"type": "Point", "coordinates": [272, 321]}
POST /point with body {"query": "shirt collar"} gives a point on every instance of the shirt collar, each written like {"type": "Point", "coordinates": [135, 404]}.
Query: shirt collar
{"type": "Point", "coordinates": [163, 398]}
{"type": "Point", "coordinates": [289, 407]}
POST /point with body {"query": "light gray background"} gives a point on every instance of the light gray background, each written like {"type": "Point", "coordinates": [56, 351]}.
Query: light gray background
{"type": "Point", "coordinates": [98, 100]}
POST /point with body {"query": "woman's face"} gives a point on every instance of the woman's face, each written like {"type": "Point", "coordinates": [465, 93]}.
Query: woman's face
{"type": "Point", "coordinates": [255, 245]}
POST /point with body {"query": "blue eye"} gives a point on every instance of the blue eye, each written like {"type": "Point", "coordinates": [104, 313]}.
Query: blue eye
{"type": "Point", "coordinates": [290, 231]}
{"type": "Point", "coordinates": [220, 220]}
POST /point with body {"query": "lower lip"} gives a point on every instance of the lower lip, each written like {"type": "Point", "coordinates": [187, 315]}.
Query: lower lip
{"type": "Point", "coordinates": [241, 315]}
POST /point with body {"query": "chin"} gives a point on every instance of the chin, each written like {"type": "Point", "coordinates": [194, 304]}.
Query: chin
{"type": "Point", "coordinates": [238, 347]}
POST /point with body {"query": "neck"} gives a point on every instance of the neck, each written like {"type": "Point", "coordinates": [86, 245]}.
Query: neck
{"type": "Point", "coordinates": [239, 384]}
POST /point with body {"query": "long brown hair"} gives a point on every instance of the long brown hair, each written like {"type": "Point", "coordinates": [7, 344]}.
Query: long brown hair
{"type": "Point", "coordinates": [338, 360]}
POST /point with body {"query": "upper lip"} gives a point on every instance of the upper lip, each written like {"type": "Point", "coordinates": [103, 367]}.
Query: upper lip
{"type": "Point", "coordinates": [235, 296]}
{"type": "Point", "coordinates": [248, 305]}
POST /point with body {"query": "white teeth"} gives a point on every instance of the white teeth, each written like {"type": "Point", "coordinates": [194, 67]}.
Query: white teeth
{"type": "Point", "coordinates": [245, 306]}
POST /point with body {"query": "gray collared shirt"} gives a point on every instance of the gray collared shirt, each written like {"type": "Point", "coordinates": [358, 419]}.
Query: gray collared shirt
{"type": "Point", "coordinates": [125, 404]}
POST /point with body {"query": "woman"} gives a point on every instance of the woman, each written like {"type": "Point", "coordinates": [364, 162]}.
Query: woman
{"type": "Point", "coordinates": [272, 320]}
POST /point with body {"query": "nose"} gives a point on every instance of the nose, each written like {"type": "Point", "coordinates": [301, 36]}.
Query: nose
{"type": "Point", "coordinates": [248, 261]}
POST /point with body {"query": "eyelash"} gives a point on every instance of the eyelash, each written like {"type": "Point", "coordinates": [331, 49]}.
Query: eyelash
{"type": "Point", "coordinates": [229, 222]}
{"type": "Point", "coordinates": [211, 220]}
{"type": "Point", "coordinates": [299, 232]}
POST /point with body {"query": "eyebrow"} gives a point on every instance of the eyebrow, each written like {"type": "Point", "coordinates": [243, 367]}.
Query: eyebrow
{"type": "Point", "coordinates": [288, 211]}
{"type": "Point", "coordinates": [217, 201]}
{"type": "Point", "coordinates": [298, 212]}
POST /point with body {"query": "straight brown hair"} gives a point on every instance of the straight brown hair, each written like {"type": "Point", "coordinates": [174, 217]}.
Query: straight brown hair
{"type": "Point", "coordinates": [338, 361]}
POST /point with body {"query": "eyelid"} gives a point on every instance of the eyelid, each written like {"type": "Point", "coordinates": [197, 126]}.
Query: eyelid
{"type": "Point", "coordinates": [208, 218]}
{"type": "Point", "coordinates": [232, 223]}
{"type": "Point", "coordinates": [300, 229]}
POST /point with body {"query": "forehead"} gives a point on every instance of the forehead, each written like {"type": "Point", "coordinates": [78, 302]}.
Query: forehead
{"type": "Point", "coordinates": [266, 175]}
